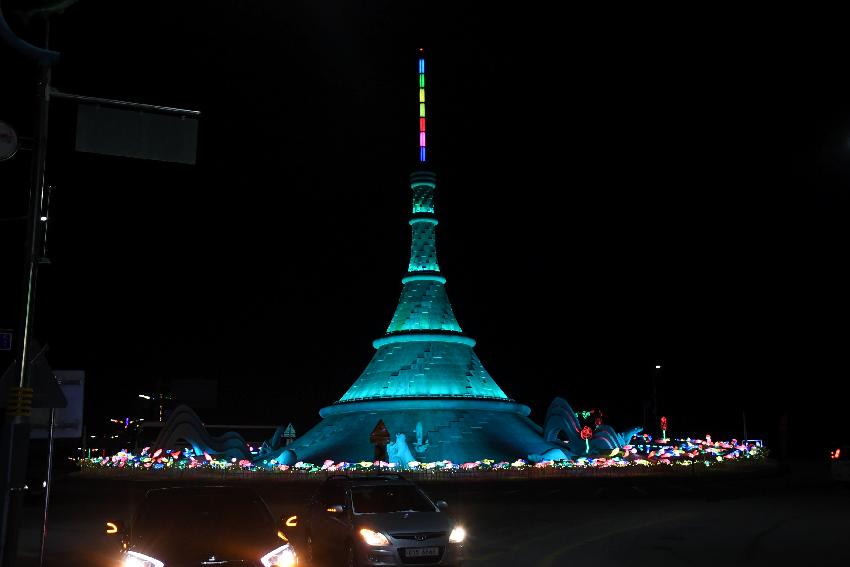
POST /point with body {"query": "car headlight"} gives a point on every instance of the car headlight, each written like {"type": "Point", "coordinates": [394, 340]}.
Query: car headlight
{"type": "Point", "coordinates": [283, 556]}
{"type": "Point", "coordinates": [457, 536]}
{"type": "Point", "coordinates": [374, 538]}
{"type": "Point", "coordinates": [136, 559]}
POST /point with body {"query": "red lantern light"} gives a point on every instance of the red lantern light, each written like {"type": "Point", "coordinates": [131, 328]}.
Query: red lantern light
{"type": "Point", "coordinates": [586, 432]}
{"type": "Point", "coordinates": [664, 423]}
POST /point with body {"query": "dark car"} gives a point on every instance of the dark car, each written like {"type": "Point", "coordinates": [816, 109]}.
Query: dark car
{"type": "Point", "coordinates": [840, 464]}
{"type": "Point", "coordinates": [380, 520]}
{"type": "Point", "coordinates": [203, 525]}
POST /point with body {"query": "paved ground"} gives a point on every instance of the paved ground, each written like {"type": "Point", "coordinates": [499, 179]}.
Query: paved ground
{"type": "Point", "coordinates": [797, 517]}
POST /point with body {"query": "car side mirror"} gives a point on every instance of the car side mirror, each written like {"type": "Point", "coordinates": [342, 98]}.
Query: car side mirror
{"type": "Point", "coordinates": [286, 525]}
{"type": "Point", "coordinates": [115, 527]}
{"type": "Point", "coordinates": [336, 509]}
{"type": "Point", "coordinates": [441, 504]}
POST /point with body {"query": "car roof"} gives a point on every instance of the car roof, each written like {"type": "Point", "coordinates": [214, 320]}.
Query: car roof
{"type": "Point", "coordinates": [204, 489]}
{"type": "Point", "coordinates": [372, 480]}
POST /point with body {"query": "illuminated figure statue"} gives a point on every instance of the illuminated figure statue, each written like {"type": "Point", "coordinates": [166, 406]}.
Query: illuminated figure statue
{"type": "Point", "coordinates": [563, 426]}
{"type": "Point", "coordinates": [273, 445]}
{"type": "Point", "coordinates": [420, 447]}
{"type": "Point", "coordinates": [398, 451]}
{"type": "Point", "coordinates": [184, 425]}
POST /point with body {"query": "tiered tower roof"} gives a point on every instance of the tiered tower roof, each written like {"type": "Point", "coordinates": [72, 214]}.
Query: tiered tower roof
{"type": "Point", "coordinates": [424, 353]}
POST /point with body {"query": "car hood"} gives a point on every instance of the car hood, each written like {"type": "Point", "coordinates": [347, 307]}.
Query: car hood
{"type": "Point", "coordinates": [171, 548]}
{"type": "Point", "coordinates": [405, 522]}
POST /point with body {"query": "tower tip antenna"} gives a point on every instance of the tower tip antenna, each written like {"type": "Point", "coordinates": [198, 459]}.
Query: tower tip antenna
{"type": "Point", "coordinates": [421, 105]}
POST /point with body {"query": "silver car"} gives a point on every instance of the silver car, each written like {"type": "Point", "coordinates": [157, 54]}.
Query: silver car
{"type": "Point", "coordinates": [380, 520]}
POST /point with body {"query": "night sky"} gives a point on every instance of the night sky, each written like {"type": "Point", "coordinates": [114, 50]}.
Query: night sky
{"type": "Point", "coordinates": [616, 189]}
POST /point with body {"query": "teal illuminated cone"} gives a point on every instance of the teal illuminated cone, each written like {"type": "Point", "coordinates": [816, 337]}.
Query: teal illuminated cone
{"type": "Point", "coordinates": [424, 353]}
{"type": "Point", "coordinates": [424, 382]}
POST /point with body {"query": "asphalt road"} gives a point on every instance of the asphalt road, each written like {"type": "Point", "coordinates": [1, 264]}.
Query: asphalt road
{"type": "Point", "coordinates": [793, 517]}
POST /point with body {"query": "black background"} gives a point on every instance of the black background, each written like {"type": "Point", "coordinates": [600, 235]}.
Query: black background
{"type": "Point", "coordinates": [616, 189]}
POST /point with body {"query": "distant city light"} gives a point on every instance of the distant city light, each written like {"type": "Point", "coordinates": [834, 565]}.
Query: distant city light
{"type": "Point", "coordinates": [145, 396]}
{"type": "Point", "coordinates": [657, 366]}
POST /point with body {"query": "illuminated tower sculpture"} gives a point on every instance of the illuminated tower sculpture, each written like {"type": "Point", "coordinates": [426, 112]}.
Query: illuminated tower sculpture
{"type": "Point", "coordinates": [424, 381]}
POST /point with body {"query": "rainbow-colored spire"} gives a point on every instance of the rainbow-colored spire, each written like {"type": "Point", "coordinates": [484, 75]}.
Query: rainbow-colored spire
{"type": "Point", "coordinates": [421, 105]}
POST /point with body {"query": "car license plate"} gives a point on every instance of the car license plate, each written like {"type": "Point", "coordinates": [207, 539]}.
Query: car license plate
{"type": "Point", "coordinates": [421, 551]}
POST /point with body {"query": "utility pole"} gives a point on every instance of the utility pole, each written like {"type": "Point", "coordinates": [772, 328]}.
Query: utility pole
{"type": "Point", "coordinates": [16, 427]}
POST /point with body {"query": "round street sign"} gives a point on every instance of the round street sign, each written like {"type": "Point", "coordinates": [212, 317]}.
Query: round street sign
{"type": "Point", "coordinates": [8, 141]}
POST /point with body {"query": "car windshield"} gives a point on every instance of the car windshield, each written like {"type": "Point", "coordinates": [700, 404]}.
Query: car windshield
{"type": "Point", "coordinates": [203, 514]}
{"type": "Point", "coordinates": [387, 499]}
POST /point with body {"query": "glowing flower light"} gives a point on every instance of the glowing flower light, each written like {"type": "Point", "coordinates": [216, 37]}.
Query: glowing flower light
{"type": "Point", "coordinates": [682, 452]}
{"type": "Point", "coordinates": [586, 434]}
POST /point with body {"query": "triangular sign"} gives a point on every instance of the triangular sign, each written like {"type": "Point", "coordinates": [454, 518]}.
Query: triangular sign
{"type": "Point", "coordinates": [380, 435]}
{"type": "Point", "coordinates": [46, 390]}
{"type": "Point", "coordinates": [6, 383]}
{"type": "Point", "coordinates": [289, 433]}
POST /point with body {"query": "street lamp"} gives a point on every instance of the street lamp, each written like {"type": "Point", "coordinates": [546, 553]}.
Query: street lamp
{"type": "Point", "coordinates": [655, 393]}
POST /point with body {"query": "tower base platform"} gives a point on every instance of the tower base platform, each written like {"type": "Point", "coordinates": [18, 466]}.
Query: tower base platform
{"type": "Point", "coordinates": [423, 430]}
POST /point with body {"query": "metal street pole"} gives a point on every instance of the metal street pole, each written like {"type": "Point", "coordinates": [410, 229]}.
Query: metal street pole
{"type": "Point", "coordinates": [33, 224]}
{"type": "Point", "coordinates": [655, 394]}
{"type": "Point", "coordinates": [47, 486]}
{"type": "Point", "coordinates": [16, 430]}
{"type": "Point", "coordinates": [18, 426]}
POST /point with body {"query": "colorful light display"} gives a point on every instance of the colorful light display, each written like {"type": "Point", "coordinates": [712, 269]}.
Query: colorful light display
{"type": "Point", "coordinates": [681, 452]}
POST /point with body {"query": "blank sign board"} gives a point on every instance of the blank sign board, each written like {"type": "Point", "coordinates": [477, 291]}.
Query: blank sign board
{"type": "Point", "coordinates": [68, 421]}
{"type": "Point", "coordinates": [136, 134]}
